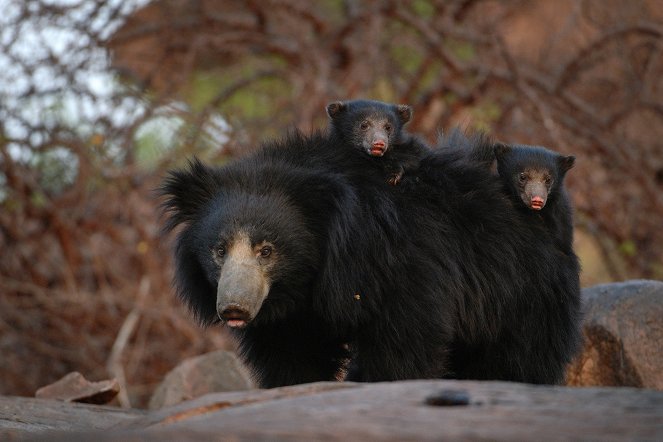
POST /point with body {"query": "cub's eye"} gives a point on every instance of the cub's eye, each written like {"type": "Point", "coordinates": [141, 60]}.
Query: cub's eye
{"type": "Point", "coordinates": [220, 250]}
{"type": "Point", "coordinates": [387, 127]}
{"type": "Point", "coordinates": [265, 251]}
{"type": "Point", "coordinates": [522, 177]}
{"type": "Point", "coordinates": [548, 181]}
{"type": "Point", "coordinates": [363, 125]}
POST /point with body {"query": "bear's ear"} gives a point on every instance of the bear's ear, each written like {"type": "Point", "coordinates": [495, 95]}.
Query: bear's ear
{"type": "Point", "coordinates": [565, 163]}
{"type": "Point", "coordinates": [501, 150]}
{"type": "Point", "coordinates": [191, 281]}
{"type": "Point", "coordinates": [186, 192]}
{"type": "Point", "coordinates": [404, 113]}
{"type": "Point", "coordinates": [335, 108]}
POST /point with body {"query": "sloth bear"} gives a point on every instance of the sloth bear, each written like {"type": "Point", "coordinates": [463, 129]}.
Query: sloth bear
{"type": "Point", "coordinates": [248, 255]}
{"type": "Point", "coordinates": [534, 177]}
{"type": "Point", "coordinates": [439, 276]}
{"type": "Point", "coordinates": [373, 132]}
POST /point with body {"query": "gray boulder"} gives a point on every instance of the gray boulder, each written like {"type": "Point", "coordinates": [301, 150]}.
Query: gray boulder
{"type": "Point", "coordinates": [217, 371]}
{"type": "Point", "coordinates": [623, 331]}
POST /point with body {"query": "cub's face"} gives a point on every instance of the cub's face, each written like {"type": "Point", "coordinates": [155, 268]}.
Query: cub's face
{"type": "Point", "coordinates": [533, 185]}
{"type": "Point", "coordinates": [532, 173]}
{"type": "Point", "coordinates": [370, 126]}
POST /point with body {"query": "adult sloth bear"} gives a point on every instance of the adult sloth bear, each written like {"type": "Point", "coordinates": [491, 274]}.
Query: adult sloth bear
{"type": "Point", "coordinates": [439, 276]}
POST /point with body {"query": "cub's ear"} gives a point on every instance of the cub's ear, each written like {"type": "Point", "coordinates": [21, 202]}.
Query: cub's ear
{"type": "Point", "coordinates": [501, 149]}
{"type": "Point", "coordinates": [565, 163]}
{"type": "Point", "coordinates": [335, 108]}
{"type": "Point", "coordinates": [404, 113]}
{"type": "Point", "coordinates": [186, 192]}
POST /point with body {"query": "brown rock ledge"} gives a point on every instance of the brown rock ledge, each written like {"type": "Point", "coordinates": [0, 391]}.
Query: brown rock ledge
{"type": "Point", "coordinates": [408, 410]}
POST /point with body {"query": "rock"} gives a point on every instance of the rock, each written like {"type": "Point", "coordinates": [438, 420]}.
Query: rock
{"type": "Point", "coordinates": [75, 388]}
{"type": "Point", "coordinates": [391, 411]}
{"type": "Point", "coordinates": [623, 332]}
{"type": "Point", "coordinates": [22, 416]}
{"type": "Point", "coordinates": [212, 372]}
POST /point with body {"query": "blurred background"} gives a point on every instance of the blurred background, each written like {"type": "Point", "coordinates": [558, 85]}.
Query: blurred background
{"type": "Point", "coordinates": [99, 98]}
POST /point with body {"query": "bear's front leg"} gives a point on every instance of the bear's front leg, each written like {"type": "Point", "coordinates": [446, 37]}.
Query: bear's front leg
{"type": "Point", "coordinates": [279, 356]}
{"type": "Point", "coordinates": [397, 356]}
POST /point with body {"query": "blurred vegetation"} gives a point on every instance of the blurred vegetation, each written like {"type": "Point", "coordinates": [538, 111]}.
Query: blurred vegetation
{"type": "Point", "coordinates": [100, 98]}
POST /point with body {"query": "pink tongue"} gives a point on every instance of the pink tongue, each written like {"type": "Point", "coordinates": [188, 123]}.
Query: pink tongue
{"type": "Point", "coordinates": [236, 323]}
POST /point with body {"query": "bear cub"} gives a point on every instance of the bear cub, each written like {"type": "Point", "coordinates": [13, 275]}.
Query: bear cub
{"type": "Point", "coordinates": [375, 130]}
{"type": "Point", "coordinates": [534, 179]}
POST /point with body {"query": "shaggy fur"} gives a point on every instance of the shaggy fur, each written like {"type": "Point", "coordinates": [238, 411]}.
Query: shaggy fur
{"type": "Point", "coordinates": [284, 344]}
{"type": "Point", "coordinates": [439, 276]}
{"type": "Point", "coordinates": [514, 163]}
{"type": "Point", "coordinates": [355, 127]}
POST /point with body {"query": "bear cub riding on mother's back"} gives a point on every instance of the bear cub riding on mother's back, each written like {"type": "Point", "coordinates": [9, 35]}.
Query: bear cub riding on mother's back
{"type": "Point", "coordinates": [374, 132]}
{"type": "Point", "coordinates": [534, 178]}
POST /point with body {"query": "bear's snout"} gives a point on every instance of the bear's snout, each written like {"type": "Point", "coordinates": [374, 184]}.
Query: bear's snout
{"type": "Point", "coordinates": [243, 284]}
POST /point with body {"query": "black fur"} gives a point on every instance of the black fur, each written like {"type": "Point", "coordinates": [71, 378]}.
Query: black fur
{"type": "Point", "coordinates": [476, 147]}
{"type": "Point", "coordinates": [287, 206]}
{"type": "Point", "coordinates": [557, 214]}
{"type": "Point", "coordinates": [437, 277]}
{"type": "Point", "coordinates": [354, 123]}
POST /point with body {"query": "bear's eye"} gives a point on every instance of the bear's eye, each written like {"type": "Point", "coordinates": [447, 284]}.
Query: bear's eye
{"type": "Point", "coordinates": [363, 125]}
{"type": "Point", "coordinates": [522, 177]}
{"type": "Point", "coordinates": [220, 250]}
{"type": "Point", "coordinates": [265, 251]}
{"type": "Point", "coordinates": [388, 127]}
{"type": "Point", "coordinates": [548, 181]}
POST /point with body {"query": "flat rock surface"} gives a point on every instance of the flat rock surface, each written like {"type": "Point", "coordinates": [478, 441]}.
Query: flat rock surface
{"type": "Point", "coordinates": [23, 415]}
{"type": "Point", "coordinates": [407, 410]}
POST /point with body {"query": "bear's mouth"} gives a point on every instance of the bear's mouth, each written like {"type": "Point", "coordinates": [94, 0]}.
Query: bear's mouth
{"type": "Point", "coordinates": [377, 149]}
{"type": "Point", "coordinates": [537, 203]}
{"type": "Point", "coordinates": [235, 317]}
